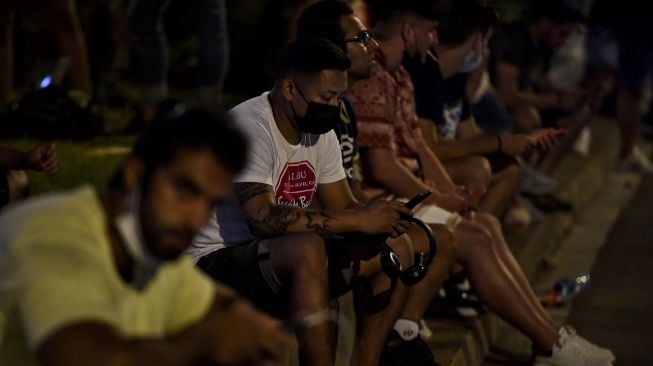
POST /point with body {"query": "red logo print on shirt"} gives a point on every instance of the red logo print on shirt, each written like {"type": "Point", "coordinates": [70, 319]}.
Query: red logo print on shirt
{"type": "Point", "coordinates": [296, 185]}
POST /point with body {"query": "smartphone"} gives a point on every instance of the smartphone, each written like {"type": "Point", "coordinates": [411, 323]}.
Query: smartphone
{"type": "Point", "coordinates": [413, 202]}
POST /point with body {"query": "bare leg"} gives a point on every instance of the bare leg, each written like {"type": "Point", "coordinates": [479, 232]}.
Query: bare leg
{"type": "Point", "coordinates": [497, 287]}
{"type": "Point", "coordinates": [421, 294]}
{"type": "Point", "coordinates": [526, 119]}
{"type": "Point", "coordinates": [503, 187]}
{"type": "Point", "coordinates": [300, 260]}
{"type": "Point", "coordinates": [473, 172]}
{"type": "Point", "coordinates": [379, 305]}
{"type": "Point", "coordinates": [71, 42]}
{"type": "Point", "coordinates": [494, 227]}
{"type": "Point", "coordinates": [18, 185]}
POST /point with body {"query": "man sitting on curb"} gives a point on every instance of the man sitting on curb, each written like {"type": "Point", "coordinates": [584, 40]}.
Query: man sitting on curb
{"type": "Point", "coordinates": [271, 245]}
{"type": "Point", "coordinates": [90, 278]}
{"type": "Point", "coordinates": [396, 157]}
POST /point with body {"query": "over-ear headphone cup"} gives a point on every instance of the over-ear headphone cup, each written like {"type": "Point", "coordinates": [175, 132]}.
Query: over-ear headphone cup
{"type": "Point", "coordinates": [413, 274]}
{"type": "Point", "coordinates": [390, 263]}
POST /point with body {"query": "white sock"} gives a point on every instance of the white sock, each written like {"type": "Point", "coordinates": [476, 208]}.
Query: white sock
{"type": "Point", "coordinates": [407, 329]}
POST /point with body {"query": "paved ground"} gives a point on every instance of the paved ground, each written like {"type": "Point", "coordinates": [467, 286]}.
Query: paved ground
{"type": "Point", "coordinates": [615, 243]}
{"type": "Point", "coordinates": [618, 312]}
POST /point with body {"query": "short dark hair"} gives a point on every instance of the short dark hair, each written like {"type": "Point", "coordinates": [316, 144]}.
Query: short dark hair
{"type": "Point", "coordinates": [560, 11]}
{"type": "Point", "coordinates": [464, 18]}
{"type": "Point", "coordinates": [322, 19]}
{"type": "Point", "coordinates": [188, 127]}
{"type": "Point", "coordinates": [391, 10]}
{"type": "Point", "coordinates": [311, 54]}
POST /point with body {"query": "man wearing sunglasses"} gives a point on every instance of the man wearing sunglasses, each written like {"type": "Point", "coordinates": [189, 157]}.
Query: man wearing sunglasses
{"type": "Point", "coordinates": [334, 20]}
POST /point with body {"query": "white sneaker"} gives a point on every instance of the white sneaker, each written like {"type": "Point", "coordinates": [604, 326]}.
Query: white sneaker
{"type": "Point", "coordinates": [636, 162]}
{"type": "Point", "coordinates": [535, 182]}
{"type": "Point", "coordinates": [601, 352]}
{"type": "Point", "coordinates": [567, 352]}
{"type": "Point", "coordinates": [583, 142]}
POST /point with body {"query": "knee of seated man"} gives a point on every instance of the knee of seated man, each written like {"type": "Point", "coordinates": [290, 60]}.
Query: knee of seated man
{"type": "Point", "coordinates": [446, 244]}
{"type": "Point", "coordinates": [475, 237]}
{"type": "Point", "coordinates": [403, 248]}
{"type": "Point", "coordinates": [306, 251]}
{"type": "Point", "coordinates": [488, 221]}
{"type": "Point", "coordinates": [526, 119]}
{"type": "Point", "coordinates": [18, 185]}
{"type": "Point", "coordinates": [481, 171]}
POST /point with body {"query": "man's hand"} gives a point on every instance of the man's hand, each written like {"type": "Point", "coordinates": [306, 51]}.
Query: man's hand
{"type": "Point", "coordinates": [239, 334]}
{"type": "Point", "coordinates": [546, 138]}
{"type": "Point", "coordinates": [43, 158]}
{"type": "Point", "coordinates": [384, 217]}
{"type": "Point", "coordinates": [516, 144]}
{"type": "Point", "coordinates": [450, 201]}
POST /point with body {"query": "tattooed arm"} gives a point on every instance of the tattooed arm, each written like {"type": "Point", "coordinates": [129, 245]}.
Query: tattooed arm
{"type": "Point", "coordinates": [267, 219]}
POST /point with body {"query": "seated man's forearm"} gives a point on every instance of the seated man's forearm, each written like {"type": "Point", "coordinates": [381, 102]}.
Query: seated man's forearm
{"type": "Point", "coordinates": [267, 219]}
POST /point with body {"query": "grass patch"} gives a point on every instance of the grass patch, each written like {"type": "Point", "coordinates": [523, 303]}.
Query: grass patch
{"type": "Point", "coordinates": [88, 162]}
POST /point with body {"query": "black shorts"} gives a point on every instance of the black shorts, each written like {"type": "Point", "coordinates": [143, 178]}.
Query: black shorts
{"type": "Point", "coordinates": [247, 269]}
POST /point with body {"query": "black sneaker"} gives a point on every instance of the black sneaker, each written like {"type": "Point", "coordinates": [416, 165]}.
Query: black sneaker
{"type": "Point", "coordinates": [457, 299]}
{"type": "Point", "coordinates": [398, 352]}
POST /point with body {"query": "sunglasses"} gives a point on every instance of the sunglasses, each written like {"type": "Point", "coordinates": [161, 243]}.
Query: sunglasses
{"type": "Point", "coordinates": [364, 37]}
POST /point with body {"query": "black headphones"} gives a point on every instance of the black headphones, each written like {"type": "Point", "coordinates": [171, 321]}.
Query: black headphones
{"type": "Point", "coordinates": [390, 261]}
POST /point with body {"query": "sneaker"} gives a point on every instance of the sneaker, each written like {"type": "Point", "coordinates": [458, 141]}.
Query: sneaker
{"type": "Point", "coordinates": [517, 217]}
{"type": "Point", "coordinates": [567, 352]}
{"type": "Point", "coordinates": [535, 182]}
{"type": "Point", "coordinates": [601, 352]}
{"type": "Point", "coordinates": [457, 299]}
{"type": "Point", "coordinates": [549, 202]}
{"type": "Point", "coordinates": [398, 352]}
{"type": "Point", "coordinates": [583, 142]}
{"type": "Point", "coordinates": [636, 162]}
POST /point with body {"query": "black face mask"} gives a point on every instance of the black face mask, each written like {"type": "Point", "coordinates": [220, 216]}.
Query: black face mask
{"type": "Point", "coordinates": [319, 118]}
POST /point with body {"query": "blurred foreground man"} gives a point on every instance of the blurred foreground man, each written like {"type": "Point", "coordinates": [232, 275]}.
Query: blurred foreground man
{"type": "Point", "coordinates": [89, 278]}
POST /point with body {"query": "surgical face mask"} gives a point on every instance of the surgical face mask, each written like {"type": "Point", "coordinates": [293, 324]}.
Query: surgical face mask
{"type": "Point", "coordinates": [319, 118]}
{"type": "Point", "coordinates": [129, 227]}
{"type": "Point", "coordinates": [472, 61]}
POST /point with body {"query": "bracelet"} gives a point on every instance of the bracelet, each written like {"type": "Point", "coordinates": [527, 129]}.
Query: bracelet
{"type": "Point", "coordinates": [499, 142]}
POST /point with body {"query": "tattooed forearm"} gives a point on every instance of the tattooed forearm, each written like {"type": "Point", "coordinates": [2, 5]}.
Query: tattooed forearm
{"type": "Point", "coordinates": [279, 218]}
{"type": "Point", "coordinates": [318, 221]}
{"type": "Point", "coordinates": [247, 191]}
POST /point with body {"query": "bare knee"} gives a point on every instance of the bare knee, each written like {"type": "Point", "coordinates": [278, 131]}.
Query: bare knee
{"type": "Point", "coordinates": [475, 242]}
{"type": "Point", "coordinates": [446, 244]}
{"type": "Point", "coordinates": [480, 171]}
{"type": "Point", "coordinates": [403, 248]}
{"type": "Point", "coordinates": [488, 221]}
{"type": "Point", "coordinates": [18, 185]}
{"type": "Point", "coordinates": [298, 253]}
{"type": "Point", "coordinates": [526, 119]}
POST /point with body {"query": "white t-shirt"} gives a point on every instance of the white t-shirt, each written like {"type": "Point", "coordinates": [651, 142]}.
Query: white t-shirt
{"type": "Point", "coordinates": [293, 171]}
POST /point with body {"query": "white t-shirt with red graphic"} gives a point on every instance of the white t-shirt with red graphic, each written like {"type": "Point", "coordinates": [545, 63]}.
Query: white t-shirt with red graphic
{"type": "Point", "coordinates": [293, 171]}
